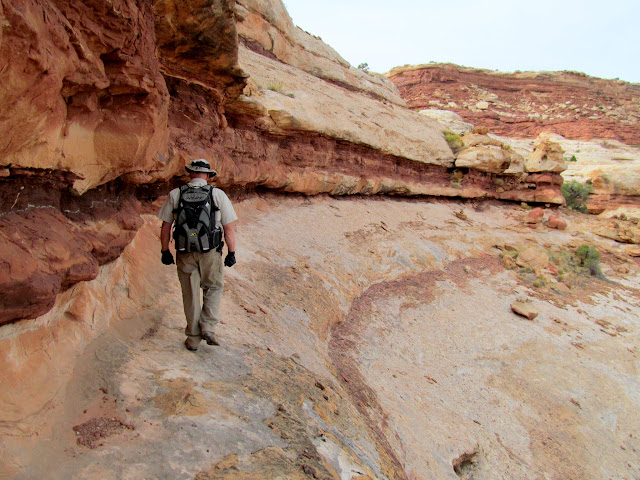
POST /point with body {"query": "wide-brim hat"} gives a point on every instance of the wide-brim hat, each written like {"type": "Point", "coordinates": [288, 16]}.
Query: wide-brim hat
{"type": "Point", "coordinates": [201, 166]}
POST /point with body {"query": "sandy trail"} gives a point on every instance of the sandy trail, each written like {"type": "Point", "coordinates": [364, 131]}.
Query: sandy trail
{"type": "Point", "coordinates": [362, 338]}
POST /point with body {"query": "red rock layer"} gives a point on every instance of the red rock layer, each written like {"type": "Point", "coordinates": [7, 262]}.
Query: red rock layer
{"type": "Point", "coordinates": [52, 239]}
{"type": "Point", "coordinates": [525, 104]}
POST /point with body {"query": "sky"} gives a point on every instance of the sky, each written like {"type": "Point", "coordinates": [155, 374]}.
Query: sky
{"type": "Point", "coordinates": [598, 37]}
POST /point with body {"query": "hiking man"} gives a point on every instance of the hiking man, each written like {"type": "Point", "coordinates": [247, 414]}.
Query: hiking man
{"type": "Point", "coordinates": [202, 214]}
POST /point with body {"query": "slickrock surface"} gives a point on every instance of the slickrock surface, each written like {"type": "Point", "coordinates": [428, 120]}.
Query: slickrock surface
{"type": "Point", "coordinates": [361, 339]}
{"type": "Point", "coordinates": [291, 99]}
{"type": "Point", "coordinates": [525, 104]}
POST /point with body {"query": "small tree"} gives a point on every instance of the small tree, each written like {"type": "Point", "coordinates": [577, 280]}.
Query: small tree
{"type": "Point", "coordinates": [589, 258]}
{"type": "Point", "coordinates": [364, 67]}
{"type": "Point", "coordinates": [576, 194]}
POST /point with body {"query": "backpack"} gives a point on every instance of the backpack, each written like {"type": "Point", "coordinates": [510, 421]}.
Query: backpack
{"type": "Point", "coordinates": [195, 227]}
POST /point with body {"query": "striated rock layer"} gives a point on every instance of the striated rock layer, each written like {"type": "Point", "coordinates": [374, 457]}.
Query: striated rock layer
{"type": "Point", "coordinates": [103, 102]}
{"type": "Point", "coordinates": [524, 104]}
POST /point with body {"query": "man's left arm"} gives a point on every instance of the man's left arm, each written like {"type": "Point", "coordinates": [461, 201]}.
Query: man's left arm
{"type": "Point", "coordinates": [230, 240]}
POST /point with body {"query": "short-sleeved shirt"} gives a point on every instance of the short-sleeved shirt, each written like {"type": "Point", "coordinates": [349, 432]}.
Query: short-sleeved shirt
{"type": "Point", "coordinates": [225, 215]}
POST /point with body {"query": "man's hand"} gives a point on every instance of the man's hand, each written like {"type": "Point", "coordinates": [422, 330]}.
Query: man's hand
{"type": "Point", "coordinates": [230, 259]}
{"type": "Point", "coordinates": [167, 257]}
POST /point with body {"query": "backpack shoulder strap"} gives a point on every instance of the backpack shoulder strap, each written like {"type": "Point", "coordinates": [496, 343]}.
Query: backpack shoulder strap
{"type": "Point", "coordinates": [213, 198]}
{"type": "Point", "coordinates": [182, 189]}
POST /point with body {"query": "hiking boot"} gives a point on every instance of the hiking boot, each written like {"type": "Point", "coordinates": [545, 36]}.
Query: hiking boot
{"type": "Point", "coordinates": [210, 338]}
{"type": "Point", "coordinates": [189, 347]}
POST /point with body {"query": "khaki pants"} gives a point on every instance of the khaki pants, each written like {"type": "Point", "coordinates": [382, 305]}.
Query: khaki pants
{"type": "Point", "coordinates": [200, 271]}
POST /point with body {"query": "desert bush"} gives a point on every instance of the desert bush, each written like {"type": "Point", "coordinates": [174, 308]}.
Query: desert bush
{"type": "Point", "coordinates": [589, 258]}
{"type": "Point", "coordinates": [576, 194]}
{"type": "Point", "coordinates": [279, 88]}
{"type": "Point", "coordinates": [454, 141]}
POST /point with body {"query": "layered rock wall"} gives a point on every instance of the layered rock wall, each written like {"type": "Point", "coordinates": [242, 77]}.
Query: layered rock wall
{"type": "Point", "coordinates": [524, 104]}
{"type": "Point", "coordinates": [103, 103]}
{"type": "Point", "coordinates": [82, 91]}
{"type": "Point", "coordinates": [595, 121]}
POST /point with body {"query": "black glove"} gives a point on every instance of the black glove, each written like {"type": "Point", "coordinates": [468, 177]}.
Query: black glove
{"type": "Point", "coordinates": [167, 257]}
{"type": "Point", "coordinates": [230, 259]}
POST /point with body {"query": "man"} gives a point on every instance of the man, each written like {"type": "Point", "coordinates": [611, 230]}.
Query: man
{"type": "Point", "coordinates": [198, 270]}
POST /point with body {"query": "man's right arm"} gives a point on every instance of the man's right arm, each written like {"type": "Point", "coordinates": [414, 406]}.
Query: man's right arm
{"type": "Point", "coordinates": [166, 215]}
{"type": "Point", "coordinates": [165, 238]}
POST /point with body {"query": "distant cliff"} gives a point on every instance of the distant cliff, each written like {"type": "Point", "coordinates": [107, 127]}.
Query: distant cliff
{"type": "Point", "coordinates": [595, 121]}
{"type": "Point", "coordinates": [524, 104]}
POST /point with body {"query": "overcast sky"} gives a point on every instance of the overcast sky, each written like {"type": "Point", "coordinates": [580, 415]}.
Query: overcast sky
{"type": "Point", "coordinates": [598, 37]}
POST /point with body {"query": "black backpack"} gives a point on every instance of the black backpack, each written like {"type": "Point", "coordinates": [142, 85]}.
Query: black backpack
{"type": "Point", "coordinates": [195, 227]}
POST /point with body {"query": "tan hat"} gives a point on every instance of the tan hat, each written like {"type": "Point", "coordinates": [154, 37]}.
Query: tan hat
{"type": "Point", "coordinates": [200, 166]}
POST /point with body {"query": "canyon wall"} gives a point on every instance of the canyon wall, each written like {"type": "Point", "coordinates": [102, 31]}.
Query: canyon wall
{"type": "Point", "coordinates": [525, 104]}
{"type": "Point", "coordinates": [595, 121]}
{"type": "Point", "coordinates": [103, 103]}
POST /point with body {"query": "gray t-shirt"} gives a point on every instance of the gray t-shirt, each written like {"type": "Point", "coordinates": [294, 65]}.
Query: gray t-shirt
{"type": "Point", "coordinates": [225, 215]}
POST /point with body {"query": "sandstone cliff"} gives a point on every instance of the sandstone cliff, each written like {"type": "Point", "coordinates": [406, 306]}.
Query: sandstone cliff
{"type": "Point", "coordinates": [524, 104]}
{"type": "Point", "coordinates": [104, 102]}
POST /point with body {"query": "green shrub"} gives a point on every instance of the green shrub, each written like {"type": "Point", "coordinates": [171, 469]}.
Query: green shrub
{"type": "Point", "coordinates": [589, 258]}
{"type": "Point", "coordinates": [576, 194]}
{"type": "Point", "coordinates": [454, 141]}
{"type": "Point", "coordinates": [573, 158]}
{"type": "Point", "coordinates": [540, 282]}
{"type": "Point", "coordinates": [279, 88]}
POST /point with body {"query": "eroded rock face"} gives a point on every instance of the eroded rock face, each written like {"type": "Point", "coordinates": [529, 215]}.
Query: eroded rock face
{"type": "Point", "coordinates": [547, 156]}
{"type": "Point", "coordinates": [51, 240]}
{"type": "Point", "coordinates": [198, 42]}
{"type": "Point", "coordinates": [81, 89]}
{"type": "Point", "coordinates": [526, 104]}
{"type": "Point", "coordinates": [289, 99]}
{"type": "Point", "coordinates": [610, 167]}
{"type": "Point", "coordinates": [265, 27]}
{"type": "Point", "coordinates": [100, 98]}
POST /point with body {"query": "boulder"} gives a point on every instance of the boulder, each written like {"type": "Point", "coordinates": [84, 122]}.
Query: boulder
{"type": "Point", "coordinates": [548, 156]}
{"type": "Point", "coordinates": [488, 154]}
{"type": "Point", "coordinates": [556, 222]}
{"type": "Point", "coordinates": [534, 216]}
{"type": "Point", "coordinates": [533, 257]}
{"type": "Point", "coordinates": [525, 309]}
